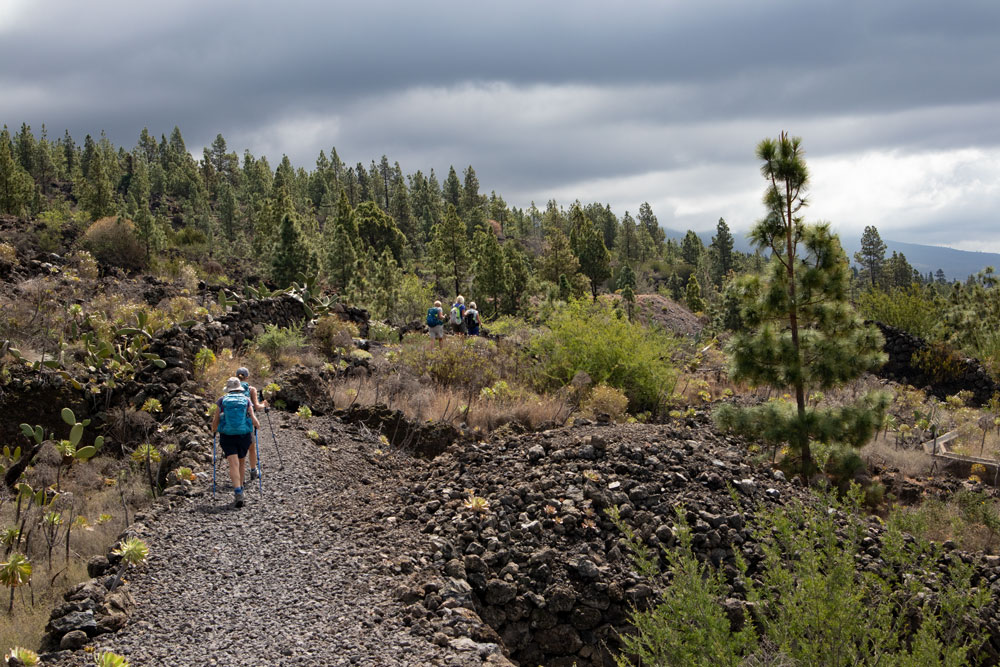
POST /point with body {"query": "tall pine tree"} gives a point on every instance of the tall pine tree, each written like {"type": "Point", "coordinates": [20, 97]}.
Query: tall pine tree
{"type": "Point", "coordinates": [872, 254]}
{"type": "Point", "coordinates": [449, 248]}
{"type": "Point", "coordinates": [492, 272]}
{"type": "Point", "coordinates": [801, 333]}
{"type": "Point", "coordinates": [292, 255]}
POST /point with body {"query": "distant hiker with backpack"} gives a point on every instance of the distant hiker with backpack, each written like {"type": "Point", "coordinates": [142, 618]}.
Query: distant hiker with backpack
{"type": "Point", "coordinates": [435, 323]}
{"type": "Point", "coordinates": [235, 421]}
{"type": "Point", "coordinates": [457, 315]}
{"type": "Point", "coordinates": [243, 374]}
{"type": "Point", "coordinates": [472, 319]}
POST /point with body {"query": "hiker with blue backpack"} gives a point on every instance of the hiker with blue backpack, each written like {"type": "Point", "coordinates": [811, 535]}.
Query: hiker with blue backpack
{"type": "Point", "coordinates": [243, 374]}
{"type": "Point", "coordinates": [472, 321]}
{"type": "Point", "coordinates": [435, 323]}
{"type": "Point", "coordinates": [235, 421]}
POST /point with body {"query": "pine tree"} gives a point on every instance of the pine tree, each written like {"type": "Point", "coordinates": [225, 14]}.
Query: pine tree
{"type": "Point", "coordinates": [472, 208]}
{"type": "Point", "coordinates": [627, 241]}
{"type": "Point", "coordinates": [595, 260]}
{"type": "Point", "coordinates": [557, 259]}
{"type": "Point", "coordinates": [492, 272]}
{"type": "Point", "coordinates": [292, 255]}
{"type": "Point", "coordinates": [628, 295]}
{"type": "Point", "coordinates": [228, 211]}
{"type": "Point", "coordinates": [339, 257]}
{"type": "Point", "coordinates": [98, 194]}
{"type": "Point", "coordinates": [691, 248]}
{"type": "Point", "coordinates": [346, 219]}
{"type": "Point", "coordinates": [378, 230]}
{"type": "Point", "coordinates": [453, 191]}
{"type": "Point", "coordinates": [800, 331]}
{"type": "Point", "coordinates": [145, 225]}
{"type": "Point", "coordinates": [449, 248]}
{"type": "Point", "coordinates": [16, 186]}
{"type": "Point", "coordinates": [722, 252]}
{"type": "Point", "coordinates": [520, 277]}
{"type": "Point", "coordinates": [649, 222]}
{"type": "Point", "coordinates": [626, 278]}
{"type": "Point", "coordinates": [872, 254]}
{"type": "Point", "coordinates": [565, 289]}
{"type": "Point", "coordinates": [897, 272]}
{"type": "Point", "coordinates": [385, 286]}
{"type": "Point", "coordinates": [692, 295]}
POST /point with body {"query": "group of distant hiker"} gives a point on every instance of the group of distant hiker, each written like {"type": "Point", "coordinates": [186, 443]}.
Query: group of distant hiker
{"type": "Point", "coordinates": [235, 420]}
{"type": "Point", "coordinates": [462, 320]}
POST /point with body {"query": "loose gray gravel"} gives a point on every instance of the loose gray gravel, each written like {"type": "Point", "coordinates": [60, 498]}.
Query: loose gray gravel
{"type": "Point", "coordinates": [302, 575]}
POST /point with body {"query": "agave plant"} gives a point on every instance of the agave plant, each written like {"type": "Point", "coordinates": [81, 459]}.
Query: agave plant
{"type": "Point", "coordinates": [10, 536]}
{"type": "Point", "coordinates": [477, 504]}
{"type": "Point", "coordinates": [14, 573]}
{"type": "Point", "coordinates": [26, 656]}
{"type": "Point", "coordinates": [133, 551]}
{"type": "Point", "coordinates": [148, 454]}
{"type": "Point", "coordinates": [109, 659]}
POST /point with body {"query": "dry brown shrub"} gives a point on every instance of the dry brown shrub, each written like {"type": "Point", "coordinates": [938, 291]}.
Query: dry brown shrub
{"type": "Point", "coordinates": [335, 335]}
{"type": "Point", "coordinates": [607, 401]}
{"type": "Point", "coordinates": [422, 402]}
{"type": "Point", "coordinates": [910, 462]}
{"type": "Point", "coordinates": [113, 242]}
{"type": "Point", "coordinates": [212, 268]}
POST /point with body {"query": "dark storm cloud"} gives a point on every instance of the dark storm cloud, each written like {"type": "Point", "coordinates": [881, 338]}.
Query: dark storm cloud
{"type": "Point", "coordinates": [537, 96]}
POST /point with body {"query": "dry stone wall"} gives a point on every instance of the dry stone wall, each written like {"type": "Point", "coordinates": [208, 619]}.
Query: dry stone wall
{"type": "Point", "coordinates": [901, 348]}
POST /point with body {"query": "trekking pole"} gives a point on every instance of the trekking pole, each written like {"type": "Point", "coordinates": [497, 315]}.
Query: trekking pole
{"type": "Point", "coordinates": [260, 482]}
{"type": "Point", "coordinates": [267, 411]}
{"type": "Point", "coordinates": [213, 466]}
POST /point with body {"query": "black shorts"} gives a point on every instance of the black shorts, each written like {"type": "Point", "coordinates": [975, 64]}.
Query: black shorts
{"type": "Point", "coordinates": [236, 444]}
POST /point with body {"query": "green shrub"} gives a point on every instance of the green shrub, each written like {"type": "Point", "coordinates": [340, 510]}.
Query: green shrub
{"type": "Point", "coordinates": [382, 332]}
{"type": "Point", "coordinates": [190, 236]}
{"type": "Point", "coordinates": [813, 604]}
{"type": "Point", "coordinates": [590, 337]}
{"type": "Point", "coordinates": [113, 242]}
{"type": "Point", "coordinates": [914, 309]}
{"type": "Point", "coordinates": [278, 341]}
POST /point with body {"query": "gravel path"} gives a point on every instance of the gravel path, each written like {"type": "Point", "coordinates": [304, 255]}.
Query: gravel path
{"type": "Point", "coordinates": [303, 576]}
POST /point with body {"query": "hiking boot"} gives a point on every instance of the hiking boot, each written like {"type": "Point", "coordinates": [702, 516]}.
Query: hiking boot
{"type": "Point", "coordinates": [238, 498]}
{"type": "Point", "coordinates": [253, 474]}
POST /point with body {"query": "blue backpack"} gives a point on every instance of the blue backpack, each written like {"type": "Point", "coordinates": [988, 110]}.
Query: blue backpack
{"type": "Point", "coordinates": [234, 419]}
{"type": "Point", "coordinates": [433, 318]}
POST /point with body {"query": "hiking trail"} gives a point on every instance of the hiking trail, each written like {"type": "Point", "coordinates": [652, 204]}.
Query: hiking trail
{"type": "Point", "coordinates": [301, 576]}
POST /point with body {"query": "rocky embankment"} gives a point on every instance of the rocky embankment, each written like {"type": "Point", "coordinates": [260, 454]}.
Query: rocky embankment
{"type": "Point", "coordinates": [544, 567]}
{"type": "Point", "coordinates": [948, 376]}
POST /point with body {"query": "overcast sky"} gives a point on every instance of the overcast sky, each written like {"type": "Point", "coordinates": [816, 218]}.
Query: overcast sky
{"type": "Point", "coordinates": [897, 101]}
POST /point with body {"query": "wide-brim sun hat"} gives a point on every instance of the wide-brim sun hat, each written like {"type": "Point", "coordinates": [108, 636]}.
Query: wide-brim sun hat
{"type": "Point", "coordinates": [233, 384]}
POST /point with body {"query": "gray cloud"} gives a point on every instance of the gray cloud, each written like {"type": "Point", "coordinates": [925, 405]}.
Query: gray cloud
{"type": "Point", "coordinates": [541, 98]}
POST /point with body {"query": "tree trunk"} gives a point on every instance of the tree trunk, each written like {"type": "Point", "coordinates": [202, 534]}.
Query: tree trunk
{"type": "Point", "coordinates": [793, 323]}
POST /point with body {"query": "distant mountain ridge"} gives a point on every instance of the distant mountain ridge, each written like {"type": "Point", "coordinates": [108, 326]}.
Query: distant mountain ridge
{"type": "Point", "coordinates": [956, 264]}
